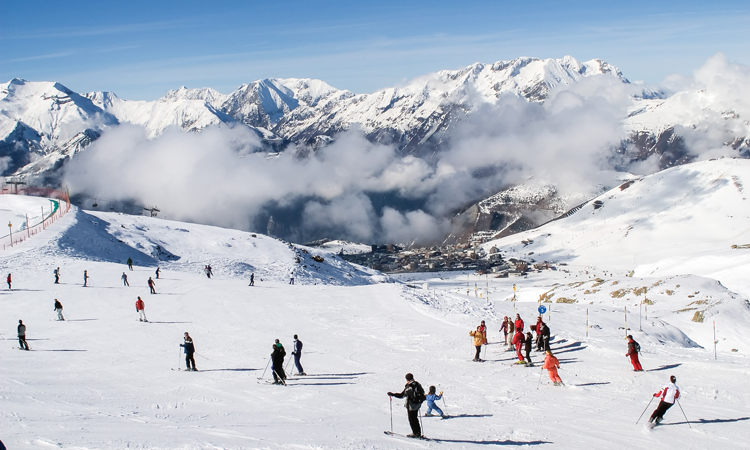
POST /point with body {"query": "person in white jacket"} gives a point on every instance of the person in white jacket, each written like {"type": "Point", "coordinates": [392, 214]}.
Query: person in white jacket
{"type": "Point", "coordinates": [669, 394]}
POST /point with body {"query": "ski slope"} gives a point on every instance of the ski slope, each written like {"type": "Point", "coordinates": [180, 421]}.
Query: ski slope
{"type": "Point", "coordinates": [102, 379]}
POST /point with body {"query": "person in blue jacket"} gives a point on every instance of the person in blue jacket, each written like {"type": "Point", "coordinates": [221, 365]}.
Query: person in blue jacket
{"type": "Point", "coordinates": [432, 397]}
{"type": "Point", "coordinates": [189, 351]}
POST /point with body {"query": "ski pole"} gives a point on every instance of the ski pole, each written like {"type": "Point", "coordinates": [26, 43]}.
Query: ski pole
{"type": "Point", "coordinates": [444, 407]}
{"type": "Point", "coordinates": [644, 410]}
{"type": "Point", "coordinates": [286, 369]}
{"type": "Point", "coordinates": [179, 354]}
{"type": "Point", "coordinates": [540, 378]}
{"type": "Point", "coordinates": [264, 370]}
{"type": "Point", "coordinates": [421, 425]}
{"type": "Point", "coordinates": [683, 412]}
{"type": "Point", "coordinates": [391, 407]}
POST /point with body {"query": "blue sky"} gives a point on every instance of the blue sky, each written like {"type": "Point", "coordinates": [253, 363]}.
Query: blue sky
{"type": "Point", "coordinates": [140, 49]}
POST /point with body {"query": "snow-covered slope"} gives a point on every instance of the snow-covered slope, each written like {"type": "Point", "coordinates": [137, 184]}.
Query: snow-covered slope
{"type": "Point", "coordinates": [681, 220]}
{"type": "Point", "coordinates": [102, 379]}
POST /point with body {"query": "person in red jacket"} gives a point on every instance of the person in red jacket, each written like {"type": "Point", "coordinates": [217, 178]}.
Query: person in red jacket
{"type": "Point", "coordinates": [633, 348]}
{"type": "Point", "coordinates": [140, 306]}
{"type": "Point", "coordinates": [518, 341]}
{"type": "Point", "coordinates": [9, 280]}
{"type": "Point", "coordinates": [538, 330]}
{"type": "Point", "coordinates": [518, 324]}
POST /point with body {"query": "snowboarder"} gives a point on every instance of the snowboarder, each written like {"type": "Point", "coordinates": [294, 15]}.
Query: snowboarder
{"type": "Point", "coordinates": [277, 363]}
{"type": "Point", "coordinates": [633, 349]}
{"type": "Point", "coordinates": [130, 263]}
{"type": "Point", "coordinates": [669, 394]}
{"type": "Point", "coordinates": [9, 281]}
{"type": "Point", "coordinates": [518, 324]}
{"type": "Point", "coordinates": [252, 280]}
{"type": "Point", "coordinates": [151, 285]}
{"type": "Point", "coordinates": [297, 353]}
{"type": "Point", "coordinates": [139, 307]}
{"type": "Point", "coordinates": [85, 278]}
{"type": "Point", "coordinates": [478, 340]}
{"type": "Point", "coordinates": [22, 336]}
{"type": "Point", "coordinates": [527, 348]}
{"type": "Point", "coordinates": [189, 350]}
{"type": "Point", "coordinates": [432, 397]}
{"type": "Point", "coordinates": [59, 310]}
{"type": "Point", "coordinates": [518, 341]}
{"type": "Point", "coordinates": [57, 275]}
{"type": "Point", "coordinates": [552, 364]}
{"type": "Point", "coordinates": [125, 279]}
{"type": "Point", "coordinates": [504, 329]}
{"type": "Point", "coordinates": [158, 272]}
{"type": "Point", "coordinates": [484, 332]}
{"type": "Point", "coordinates": [414, 393]}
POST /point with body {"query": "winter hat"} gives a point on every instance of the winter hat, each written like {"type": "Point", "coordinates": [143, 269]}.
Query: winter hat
{"type": "Point", "coordinates": [409, 376]}
{"type": "Point", "coordinates": [673, 379]}
{"type": "Point", "coordinates": [277, 341]}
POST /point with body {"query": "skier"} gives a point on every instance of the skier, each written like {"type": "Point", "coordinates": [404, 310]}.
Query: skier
{"type": "Point", "coordinates": [633, 349]}
{"type": "Point", "coordinates": [431, 399]}
{"type": "Point", "coordinates": [504, 329]}
{"type": "Point", "coordinates": [139, 307]}
{"type": "Point", "coordinates": [210, 271]}
{"type": "Point", "coordinates": [414, 394]}
{"type": "Point", "coordinates": [518, 341]}
{"type": "Point", "coordinates": [151, 285]}
{"type": "Point", "coordinates": [527, 348]}
{"type": "Point", "coordinates": [669, 394]}
{"type": "Point", "coordinates": [478, 340]}
{"type": "Point", "coordinates": [484, 332]}
{"type": "Point", "coordinates": [545, 336]}
{"type": "Point", "coordinates": [85, 278]}
{"type": "Point", "coordinates": [538, 330]}
{"type": "Point", "coordinates": [277, 363]}
{"type": "Point", "coordinates": [207, 271]}
{"type": "Point", "coordinates": [297, 353]}
{"type": "Point", "coordinates": [511, 333]}
{"type": "Point", "coordinates": [158, 271]}
{"type": "Point", "coordinates": [57, 275]}
{"type": "Point", "coordinates": [291, 278]}
{"type": "Point", "coordinates": [125, 279]}
{"type": "Point", "coordinates": [252, 280]}
{"type": "Point", "coordinates": [189, 350]}
{"type": "Point", "coordinates": [58, 309]}
{"type": "Point", "coordinates": [552, 364]}
{"type": "Point", "coordinates": [9, 281]}
{"type": "Point", "coordinates": [22, 336]}
{"type": "Point", "coordinates": [518, 324]}
{"type": "Point", "coordinates": [130, 263]}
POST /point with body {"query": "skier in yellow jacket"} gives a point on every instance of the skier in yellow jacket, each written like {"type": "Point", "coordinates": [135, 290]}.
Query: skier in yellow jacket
{"type": "Point", "coordinates": [478, 341]}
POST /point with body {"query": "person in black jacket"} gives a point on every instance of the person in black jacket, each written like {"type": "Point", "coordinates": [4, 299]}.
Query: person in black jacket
{"type": "Point", "coordinates": [297, 353]}
{"type": "Point", "coordinates": [545, 336]}
{"type": "Point", "coordinates": [189, 351]}
{"type": "Point", "coordinates": [527, 348]}
{"type": "Point", "coordinates": [411, 392]}
{"type": "Point", "coordinates": [22, 335]}
{"type": "Point", "coordinates": [277, 363]}
{"type": "Point", "coordinates": [58, 310]}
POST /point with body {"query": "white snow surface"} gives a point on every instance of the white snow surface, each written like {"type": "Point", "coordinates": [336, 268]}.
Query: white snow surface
{"type": "Point", "coordinates": [102, 379]}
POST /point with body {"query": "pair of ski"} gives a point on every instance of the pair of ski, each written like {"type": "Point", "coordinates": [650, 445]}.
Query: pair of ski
{"type": "Point", "coordinates": [391, 433]}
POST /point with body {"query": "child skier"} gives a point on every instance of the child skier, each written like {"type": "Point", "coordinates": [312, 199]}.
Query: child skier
{"type": "Point", "coordinates": [633, 349]}
{"type": "Point", "coordinates": [483, 329]}
{"type": "Point", "coordinates": [59, 310]}
{"type": "Point", "coordinates": [478, 340]}
{"type": "Point", "coordinates": [527, 348]}
{"type": "Point", "coordinates": [552, 364]}
{"type": "Point", "coordinates": [431, 399]}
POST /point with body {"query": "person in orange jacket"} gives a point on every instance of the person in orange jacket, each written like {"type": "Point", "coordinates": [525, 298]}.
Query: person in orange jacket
{"type": "Point", "coordinates": [552, 364]}
{"type": "Point", "coordinates": [518, 341]}
{"type": "Point", "coordinates": [478, 341]}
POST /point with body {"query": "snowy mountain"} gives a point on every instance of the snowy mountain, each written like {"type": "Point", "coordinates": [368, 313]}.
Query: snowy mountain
{"type": "Point", "coordinates": [103, 379]}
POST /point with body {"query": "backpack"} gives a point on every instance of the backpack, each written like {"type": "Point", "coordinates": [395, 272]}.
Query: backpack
{"type": "Point", "coordinates": [637, 347]}
{"type": "Point", "coordinates": [417, 394]}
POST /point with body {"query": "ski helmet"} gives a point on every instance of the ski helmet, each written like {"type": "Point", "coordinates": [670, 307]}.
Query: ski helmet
{"type": "Point", "coordinates": [673, 379]}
